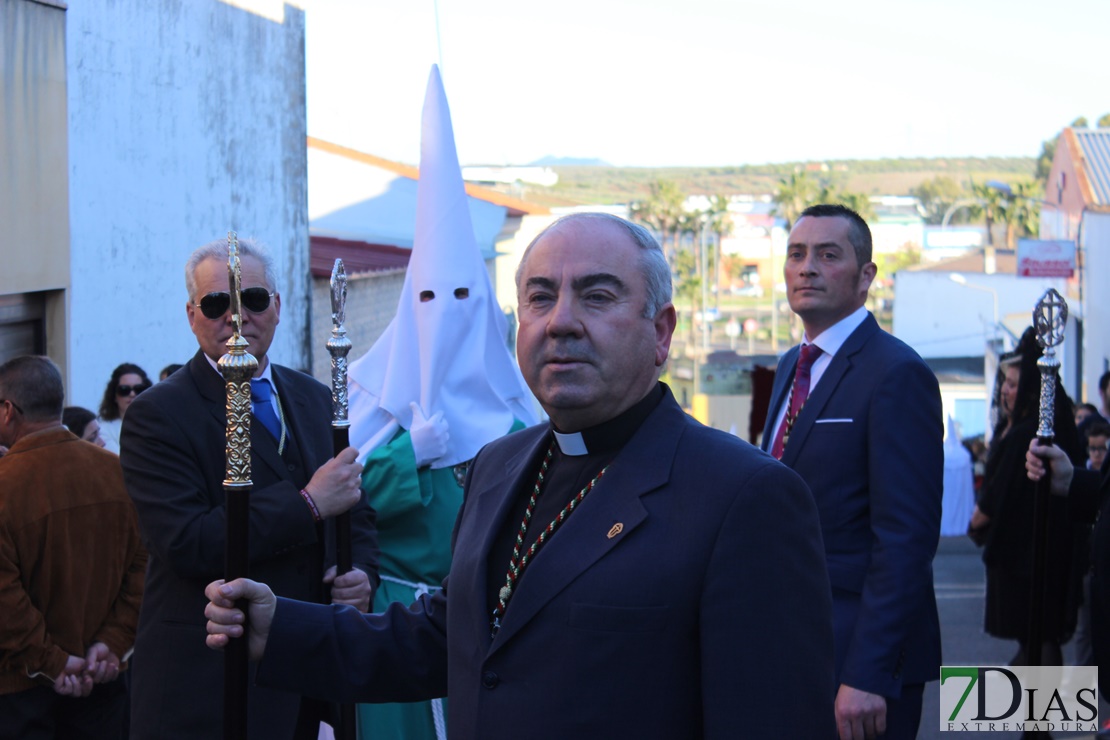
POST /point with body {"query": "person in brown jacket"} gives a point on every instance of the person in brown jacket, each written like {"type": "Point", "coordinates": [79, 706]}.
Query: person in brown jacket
{"type": "Point", "coordinates": [71, 567]}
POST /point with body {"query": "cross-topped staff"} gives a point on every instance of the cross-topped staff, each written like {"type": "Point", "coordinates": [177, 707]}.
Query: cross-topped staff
{"type": "Point", "coordinates": [338, 347]}
{"type": "Point", "coordinates": [237, 367]}
{"type": "Point", "coordinates": [1049, 318]}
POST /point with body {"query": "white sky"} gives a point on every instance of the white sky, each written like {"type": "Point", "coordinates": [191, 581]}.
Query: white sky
{"type": "Point", "coordinates": [708, 82]}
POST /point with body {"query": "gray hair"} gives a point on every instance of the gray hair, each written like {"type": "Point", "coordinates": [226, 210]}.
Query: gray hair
{"type": "Point", "coordinates": [34, 383]}
{"type": "Point", "coordinates": [217, 249]}
{"type": "Point", "coordinates": [653, 264]}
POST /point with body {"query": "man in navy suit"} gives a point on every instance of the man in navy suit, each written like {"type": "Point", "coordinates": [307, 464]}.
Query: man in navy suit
{"type": "Point", "coordinates": [868, 442]}
{"type": "Point", "coordinates": [621, 571]}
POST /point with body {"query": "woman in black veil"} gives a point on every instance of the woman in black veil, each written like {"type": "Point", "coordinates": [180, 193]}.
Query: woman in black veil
{"type": "Point", "coordinates": [1003, 518]}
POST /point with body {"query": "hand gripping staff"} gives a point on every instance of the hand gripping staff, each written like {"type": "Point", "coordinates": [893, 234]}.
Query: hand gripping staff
{"type": "Point", "coordinates": [338, 347]}
{"type": "Point", "coordinates": [237, 367]}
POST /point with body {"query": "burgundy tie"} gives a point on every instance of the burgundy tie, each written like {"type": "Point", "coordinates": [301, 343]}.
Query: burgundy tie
{"type": "Point", "coordinates": [799, 392]}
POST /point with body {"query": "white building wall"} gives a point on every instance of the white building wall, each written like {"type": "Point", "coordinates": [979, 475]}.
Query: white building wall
{"type": "Point", "coordinates": [889, 238]}
{"type": "Point", "coordinates": [941, 318]}
{"type": "Point", "coordinates": [186, 119]}
{"type": "Point", "coordinates": [1096, 296]}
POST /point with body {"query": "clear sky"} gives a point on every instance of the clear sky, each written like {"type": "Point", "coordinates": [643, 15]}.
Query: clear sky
{"type": "Point", "coordinates": [708, 82]}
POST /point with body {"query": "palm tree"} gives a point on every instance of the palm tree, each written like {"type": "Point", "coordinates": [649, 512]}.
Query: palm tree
{"type": "Point", "coordinates": [669, 201]}
{"type": "Point", "coordinates": [1022, 211]}
{"type": "Point", "coordinates": [793, 195]}
{"type": "Point", "coordinates": [858, 202]}
{"type": "Point", "coordinates": [661, 211]}
{"type": "Point", "coordinates": [690, 225]}
{"type": "Point", "coordinates": [990, 207]}
{"type": "Point", "coordinates": [720, 224]}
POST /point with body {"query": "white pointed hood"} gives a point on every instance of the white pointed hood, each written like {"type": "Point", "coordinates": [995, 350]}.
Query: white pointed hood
{"type": "Point", "coordinates": [446, 347]}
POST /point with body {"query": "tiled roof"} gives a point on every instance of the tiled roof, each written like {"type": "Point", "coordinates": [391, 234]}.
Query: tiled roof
{"type": "Point", "coordinates": [972, 261]}
{"type": "Point", "coordinates": [1094, 143]}
{"type": "Point", "coordinates": [358, 257]}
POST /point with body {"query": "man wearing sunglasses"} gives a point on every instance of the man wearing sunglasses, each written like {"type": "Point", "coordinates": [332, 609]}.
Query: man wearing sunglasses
{"type": "Point", "coordinates": [174, 466]}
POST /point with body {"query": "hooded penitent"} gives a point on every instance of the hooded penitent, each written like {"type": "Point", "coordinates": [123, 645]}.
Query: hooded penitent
{"type": "Point", "coordinates": [446, 347]}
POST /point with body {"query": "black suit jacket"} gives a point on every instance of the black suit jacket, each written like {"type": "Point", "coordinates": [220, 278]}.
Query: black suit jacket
{"type": "Point", "coordinates": [174, 465]}
{"type": "Point", "coordinates": [705, 614]}
{"type": "Point", "coordinates": [1089, 501]}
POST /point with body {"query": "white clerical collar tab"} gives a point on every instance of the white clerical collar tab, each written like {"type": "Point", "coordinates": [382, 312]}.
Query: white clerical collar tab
{"type": "Point", "coordinates": [571, 444]}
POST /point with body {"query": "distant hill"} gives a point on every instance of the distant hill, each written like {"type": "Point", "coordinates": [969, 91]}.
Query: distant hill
{"type": "Point", "coordinates": [594, 182]}
{"type": "Point", "coordinates": [550, 161]}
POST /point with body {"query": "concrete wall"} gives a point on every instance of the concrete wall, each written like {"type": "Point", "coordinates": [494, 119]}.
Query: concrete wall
{"type": "Point", "coordinates": [186, 119]}
{"type": "Point", "coordinates": [371, 304]}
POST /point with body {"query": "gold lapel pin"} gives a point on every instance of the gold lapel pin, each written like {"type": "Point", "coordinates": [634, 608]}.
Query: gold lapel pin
{"type": "Point", "coordinates": [615, 530]}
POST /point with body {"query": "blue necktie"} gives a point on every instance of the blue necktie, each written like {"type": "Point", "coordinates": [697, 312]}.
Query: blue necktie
{"type": "Point", "coordinates": [263, 407]}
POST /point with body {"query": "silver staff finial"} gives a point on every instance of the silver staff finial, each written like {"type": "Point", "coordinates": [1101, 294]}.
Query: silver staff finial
{"type": "Point", "coordinates": [235, 281]}
{"type": "Point", "coordinates": [338, 294]}
{"type": "Point", "coordinates": [339, 345]}
{"type": "Point", "coordinates": [1049, 319]}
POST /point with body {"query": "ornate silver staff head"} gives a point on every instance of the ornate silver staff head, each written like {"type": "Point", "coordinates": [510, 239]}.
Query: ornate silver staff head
{"type": "Point", "coordinates": [339, 345]}
{"type": "Point", "coordinates": [1050, 316]}
{"type": "Point", "coordinates": [237, 367]}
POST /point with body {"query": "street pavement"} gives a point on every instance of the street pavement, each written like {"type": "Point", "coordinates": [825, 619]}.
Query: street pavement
{"type": "Point", "coordinates": [959, 582]}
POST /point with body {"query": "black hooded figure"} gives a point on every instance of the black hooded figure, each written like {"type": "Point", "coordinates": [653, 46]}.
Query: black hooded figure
{"type": "Point", "coordinates": [1006, 503]}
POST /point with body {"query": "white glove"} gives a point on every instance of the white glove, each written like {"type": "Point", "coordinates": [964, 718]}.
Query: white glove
{"type": "Point", "coordinates": [429, 436]}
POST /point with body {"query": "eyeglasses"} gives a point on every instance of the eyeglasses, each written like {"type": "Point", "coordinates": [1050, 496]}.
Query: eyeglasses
{"type": "Point", "coordinates": [13, 403]}
{"type": "Point", "coordinates": [215, 305]}
{"type": "Point", "coordinates": [127, 390]}
{"type": "Point", "coordinates": [1097, 448]}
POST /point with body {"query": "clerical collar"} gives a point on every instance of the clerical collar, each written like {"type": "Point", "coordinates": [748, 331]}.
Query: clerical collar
{"type": "Point", "coordinates": [613, 434]}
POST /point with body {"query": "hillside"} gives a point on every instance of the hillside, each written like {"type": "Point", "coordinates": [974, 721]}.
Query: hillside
{"type": "Point", "coordinates": [604, 184]}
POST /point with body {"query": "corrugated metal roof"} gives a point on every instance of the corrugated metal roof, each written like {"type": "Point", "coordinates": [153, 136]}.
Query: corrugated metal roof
{"type": "Point", "coordinates": [1095, 145]}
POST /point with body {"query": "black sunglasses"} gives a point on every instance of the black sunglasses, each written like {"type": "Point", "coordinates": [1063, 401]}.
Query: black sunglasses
{"type": "Point", "coordinates": [215, 305]}
{"type": "Point", "coordinates": [126, 390]}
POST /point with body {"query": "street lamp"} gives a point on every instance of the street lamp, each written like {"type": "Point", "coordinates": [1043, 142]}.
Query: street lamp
{"type": "Point", "coordinates": [989, 262]}
{"type": "Point", "coordinates": [960, 203]}
{"type": "Point", "coordinates": [962, 280]}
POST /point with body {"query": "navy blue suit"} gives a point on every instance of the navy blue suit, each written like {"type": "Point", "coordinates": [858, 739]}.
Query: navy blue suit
{"type": "Point", "coordinates": [705, 615]}
{"type": "Point", "coordinates": [868, 442]}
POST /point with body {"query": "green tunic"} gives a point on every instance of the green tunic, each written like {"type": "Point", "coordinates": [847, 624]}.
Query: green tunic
{"type": "Point", "coordinates": [416, 510]}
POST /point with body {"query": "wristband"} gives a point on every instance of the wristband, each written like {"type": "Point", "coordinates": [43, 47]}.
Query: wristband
{"type": "Point", "coordinates": [311, 505]}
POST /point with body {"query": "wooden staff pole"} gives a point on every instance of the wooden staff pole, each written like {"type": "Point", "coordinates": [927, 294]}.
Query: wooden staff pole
{"type": "Point", "coordinates": [338, 347]}
{"type": "Point", "coordinates": [1049, 318]}
{"type": "Point", "coordinates": [237, 367]}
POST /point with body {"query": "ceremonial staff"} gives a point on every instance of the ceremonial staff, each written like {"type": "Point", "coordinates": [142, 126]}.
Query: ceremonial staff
{"type": "Point", "coordinates": [338, 347]}
{"type": "Point", "coordinates": [1049, 318]}
{"type": "Point", "coordinates": [237, 367]}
